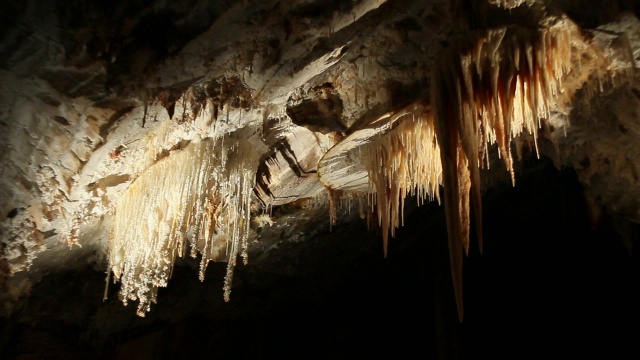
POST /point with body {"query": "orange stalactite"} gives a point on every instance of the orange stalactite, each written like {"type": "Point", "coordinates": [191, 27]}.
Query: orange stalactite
{"type": "Point", "coordinates": [403, 161]}
{"type": "Point", "coordinates": [490, 89]}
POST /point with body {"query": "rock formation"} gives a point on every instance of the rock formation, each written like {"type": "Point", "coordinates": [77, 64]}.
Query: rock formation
{"type": "Point", "coordinates": [142, 141]}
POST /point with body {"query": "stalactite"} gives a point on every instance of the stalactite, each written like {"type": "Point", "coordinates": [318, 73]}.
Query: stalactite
{"type": "Point", "coordinates": [198, 197]}
{"type": "Point", "coordinates": [404, 161]}
{"type": "Point", "coordinates": [488, 90]}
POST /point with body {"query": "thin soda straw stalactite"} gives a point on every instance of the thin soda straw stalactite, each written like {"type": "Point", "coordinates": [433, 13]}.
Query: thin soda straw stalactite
{"type": "Point", "coordinates": [195, 197]}
{"type": "Point", "coordinates": [489, 89]}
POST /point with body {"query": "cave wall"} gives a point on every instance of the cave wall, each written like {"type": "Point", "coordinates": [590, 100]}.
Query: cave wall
{"type": "Point", "coordinates": [96, 98]}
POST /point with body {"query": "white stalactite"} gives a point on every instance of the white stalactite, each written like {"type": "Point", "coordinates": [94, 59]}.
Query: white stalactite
{"type": "Point", "coordinates": [196, 198]}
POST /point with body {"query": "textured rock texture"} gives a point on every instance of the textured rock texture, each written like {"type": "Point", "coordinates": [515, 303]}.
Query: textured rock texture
{"type": "Point", "coordinates": [153, 143]}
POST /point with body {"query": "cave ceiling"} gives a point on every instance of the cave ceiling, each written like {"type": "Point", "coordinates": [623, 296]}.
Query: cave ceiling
{"type": "Point", "coordinates": [135, 134]}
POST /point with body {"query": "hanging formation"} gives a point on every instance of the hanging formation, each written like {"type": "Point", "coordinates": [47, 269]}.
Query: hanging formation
{"type": "Point", "coordinates": [487, 89]}
{"type": "Point", "coordinates": [195, 200]}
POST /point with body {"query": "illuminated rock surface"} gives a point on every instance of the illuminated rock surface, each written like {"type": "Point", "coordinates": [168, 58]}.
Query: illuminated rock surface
{"type": "Point", "coordinates": [357, 156]}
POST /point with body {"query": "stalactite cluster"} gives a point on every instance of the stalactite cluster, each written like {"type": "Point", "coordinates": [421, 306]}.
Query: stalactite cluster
{"type": "Point", "coordinates": [490, 90]}
{"type": "Point", "coordinates": [403, 161]}
{"type": "Point", "coordinates": [196, 200]}
{"type": "Point", "coordinates": [487, 89]}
